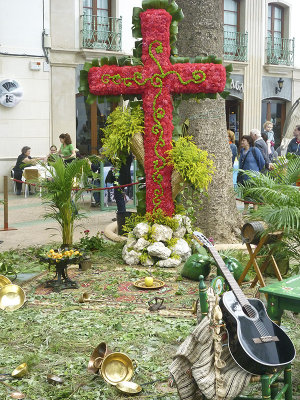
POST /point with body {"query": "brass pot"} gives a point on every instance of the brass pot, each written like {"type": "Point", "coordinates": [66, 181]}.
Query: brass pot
{"type": "Point", "coordinates": [129, 387]}
{"type": "Point", "coordinates": [116, 368]}
{"type": "Point", "coordinates": [20, 371]}
{"type": "Point", "coordinates": [4, 281]}
{"type": "Point", "coordinates": [12, 297]}
{"type": "Point", "coordinates": [97, 357]}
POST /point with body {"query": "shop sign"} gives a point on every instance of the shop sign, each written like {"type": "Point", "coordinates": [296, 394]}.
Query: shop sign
{"type": "Point", "coordinates": [238, 86]}
{"type": "Point", "coordinates": [11, 93]}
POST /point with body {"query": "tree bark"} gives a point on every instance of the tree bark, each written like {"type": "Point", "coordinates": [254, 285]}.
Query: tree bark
{"type": "Point", "coordinates": [201, 34]}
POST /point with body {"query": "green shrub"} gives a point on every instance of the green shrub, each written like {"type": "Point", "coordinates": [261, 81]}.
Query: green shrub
{"type": "Point", "coordinates": [120, 126]}
{"type": "Point", "coordinates": [193, 164]}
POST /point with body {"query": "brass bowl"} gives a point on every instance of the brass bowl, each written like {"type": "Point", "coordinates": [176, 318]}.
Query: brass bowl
{"type": "Point", "coordinates": [12, 297]}
{"type": "Point", "coordinates": [4, 281]}
{"type": "Point", "coordinates": [20, 371]}
{"type": "Point", "coordinates": [97, 357]}
{"type": "Point", "coordinates": [116, 368]}
{"type": "Point", "coordinates": [129, 387]}
{"type": "Point", "coordinates": [55, 380]}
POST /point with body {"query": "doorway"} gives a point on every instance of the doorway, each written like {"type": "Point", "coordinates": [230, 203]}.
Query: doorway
{"type": "Point", "coordinates": [89, 121]}
{"type": "Point", "coordinates": [234, 117]}
{"type": "Point", "coordinates": [274, 111]}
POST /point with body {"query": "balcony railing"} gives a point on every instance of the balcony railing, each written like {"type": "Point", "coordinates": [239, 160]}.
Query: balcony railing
{"type": "Point", "coordinates": [101, 32]}
{"type": "Point", "coordinates": [235, 46]}
{"type": "Point", "coordinates": [280, 51]}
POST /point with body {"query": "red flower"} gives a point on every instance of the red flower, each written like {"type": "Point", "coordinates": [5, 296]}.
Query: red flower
{"type": "Point", "coordinates": [86, 231]}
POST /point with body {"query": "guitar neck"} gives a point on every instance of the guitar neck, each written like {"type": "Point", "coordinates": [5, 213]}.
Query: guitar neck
{"type": "Point", "coordinates": [242, 299]}
{"type": "Point", "coordinates": [228, 276]}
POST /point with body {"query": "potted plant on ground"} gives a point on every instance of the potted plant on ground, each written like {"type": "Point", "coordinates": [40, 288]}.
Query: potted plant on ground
{"type": "Point", "coordinates": [61, 196]}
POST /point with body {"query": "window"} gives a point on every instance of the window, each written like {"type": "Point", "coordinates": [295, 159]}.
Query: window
{"type": "Point", "coordinates": [275, 21]}
{"type": "Point", "coordinates": [96, 16]}
{"type": "Point", "coordinates": [231, 16]}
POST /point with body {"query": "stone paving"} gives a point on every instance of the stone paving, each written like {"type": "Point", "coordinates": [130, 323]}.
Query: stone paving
{"type": "Point", "coordinates": [26, 215]}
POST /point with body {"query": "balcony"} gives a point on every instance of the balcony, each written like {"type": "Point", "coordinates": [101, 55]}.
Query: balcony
{"type": "Point", "coordinates": [235, 46]}
{"type": "Point", "coordinates": [104, 33]}
{"type": "Point", "coordinates": [280, 51]}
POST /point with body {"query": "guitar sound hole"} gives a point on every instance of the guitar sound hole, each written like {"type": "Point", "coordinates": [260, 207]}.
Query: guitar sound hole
{"type": "Point", "coordinates": [249, 311]}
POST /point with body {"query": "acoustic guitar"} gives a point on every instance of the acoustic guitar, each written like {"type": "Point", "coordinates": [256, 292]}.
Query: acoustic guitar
{"type": "Point", "coordinates": [257, 344]}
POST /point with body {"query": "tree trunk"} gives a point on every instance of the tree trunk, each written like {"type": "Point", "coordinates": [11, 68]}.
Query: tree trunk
{"type": "Point", "coordinates": [201, 34]}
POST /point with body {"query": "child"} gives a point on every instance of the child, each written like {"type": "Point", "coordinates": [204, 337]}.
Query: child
{"type": "Point", "coordinates": [268, 128]}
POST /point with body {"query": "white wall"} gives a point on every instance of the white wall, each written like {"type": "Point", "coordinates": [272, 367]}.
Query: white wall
{"type": "Point", "coordinates": [125, 10]}
{"type": "Point", "coordinates": [21, 26]}
{"type": "Point", "coordinates": [28, 123]}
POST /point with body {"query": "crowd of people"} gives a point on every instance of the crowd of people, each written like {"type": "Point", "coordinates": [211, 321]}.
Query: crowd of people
{"type": "Point", "coordinates": [257, 152]}
{"type": "Point", "coordinates": [69, 153]}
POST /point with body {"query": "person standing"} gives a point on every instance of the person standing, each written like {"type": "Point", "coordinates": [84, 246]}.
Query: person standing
{"type": "Point", "coordinates": [233, 148]}
{"type": "Point", "coordinates": [123, 178]}
{"type": "Point", "coordinates": [67, 150]}
{"type": "Point", "coordinates": [260, 144]}
{"type": "Point", "coordinates": [251, 158]}
{"type": "Point", "coordinates": [294, 145]}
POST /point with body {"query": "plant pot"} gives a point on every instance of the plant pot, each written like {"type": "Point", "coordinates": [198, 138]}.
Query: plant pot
{"type": "Point", "coordinates": [85, 265]}
{"type": "Point", "coordinates": [121, 220]}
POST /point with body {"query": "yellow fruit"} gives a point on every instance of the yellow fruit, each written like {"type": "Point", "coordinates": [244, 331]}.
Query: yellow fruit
{"type": "Point", "coordinates": [149, 281]}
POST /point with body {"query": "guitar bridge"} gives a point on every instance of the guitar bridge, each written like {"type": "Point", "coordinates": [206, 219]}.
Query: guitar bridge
{"type": "Point", "coordinates": [265, 339]}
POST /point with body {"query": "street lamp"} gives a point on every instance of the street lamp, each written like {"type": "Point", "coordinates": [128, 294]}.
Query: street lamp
{"type": "Point", "coordinates": [280, 85]}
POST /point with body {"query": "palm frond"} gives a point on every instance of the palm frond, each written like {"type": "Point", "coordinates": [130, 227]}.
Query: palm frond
{"type": "Point", "coordinates": [279, 217]}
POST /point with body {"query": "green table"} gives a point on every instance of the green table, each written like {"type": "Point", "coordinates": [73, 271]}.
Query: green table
{"type": "Point", "coordinates": [283, 295]}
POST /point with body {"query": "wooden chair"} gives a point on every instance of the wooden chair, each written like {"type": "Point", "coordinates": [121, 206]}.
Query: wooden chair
{"type": "Point", "coordinates": [270, 388]}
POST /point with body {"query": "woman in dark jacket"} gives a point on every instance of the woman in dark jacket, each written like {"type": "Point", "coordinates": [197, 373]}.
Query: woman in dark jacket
{"type": "Point", "coordinates": [24, 160]}
{"type": "Point", "coordinates": [250, 158]}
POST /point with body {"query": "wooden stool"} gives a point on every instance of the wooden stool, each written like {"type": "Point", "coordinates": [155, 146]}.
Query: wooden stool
{"type": "Point", "coordinates": [261, 242]}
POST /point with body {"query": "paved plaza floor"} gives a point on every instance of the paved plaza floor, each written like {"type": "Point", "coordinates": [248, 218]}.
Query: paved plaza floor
{"type": "Point", "coordinates": [26, 215]}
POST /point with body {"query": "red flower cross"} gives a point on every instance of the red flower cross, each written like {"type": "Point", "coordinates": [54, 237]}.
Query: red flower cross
{"type": "Point", "coordinates": [156, 81]}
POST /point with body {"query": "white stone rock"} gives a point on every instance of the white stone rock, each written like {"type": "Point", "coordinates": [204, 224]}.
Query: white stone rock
{"type": "Point", "coordinates": [148, 262]}
{"type": "Point", "coordinates": [179, 218]}
{"type": "Point", "coordinates": [161, 233]}
{"type": "Point", "coordinates": [141, 244]}
{"type": "Point", "coordinates": [130, 257]}
{"type": "Point", "coordinates": [131, 240]}
{"type": "Point", "coordinates": [168, 263]}
{"type": "Point", "coordinates": [187, 223]}
{"type": "Point", "coordinates": [180, 232]}
{"type": "Point", "coordinates": [158, 249]}
{"type": "Point", "coordinates": [182, 249]}
{"type": "Point", "coordinates": [141, 229]}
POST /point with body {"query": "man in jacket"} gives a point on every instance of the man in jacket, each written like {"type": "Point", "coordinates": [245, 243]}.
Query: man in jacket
{"type": "Point", "coordinates": [260, 144]}
{"type": "Point", "coordinates": [294, 145]}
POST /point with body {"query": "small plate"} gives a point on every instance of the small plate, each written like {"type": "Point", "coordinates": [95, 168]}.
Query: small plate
{"type": "Point", "coordinates": [157, 284]}
{"type": "Point", "coordinates": [129, 387]}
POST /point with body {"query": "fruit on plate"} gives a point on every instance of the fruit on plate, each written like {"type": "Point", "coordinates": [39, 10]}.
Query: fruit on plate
{"type": "Point", "coordinates": [149, 281]}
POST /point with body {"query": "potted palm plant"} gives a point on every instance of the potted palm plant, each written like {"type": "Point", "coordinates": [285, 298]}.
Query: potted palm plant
{"type": "Point", "coordinates": [60, 197]}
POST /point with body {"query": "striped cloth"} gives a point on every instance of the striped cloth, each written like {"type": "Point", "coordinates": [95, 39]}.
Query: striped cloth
{"type": "Point", "coordinates": [203, 365]}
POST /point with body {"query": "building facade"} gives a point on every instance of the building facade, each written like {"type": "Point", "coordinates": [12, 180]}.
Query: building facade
{"type": "Point", "coordinates": [261, 42]}
{"type": "Point", "coordinates": [40, 61]}
{"type": "Point", "coordinates": [42, 55]}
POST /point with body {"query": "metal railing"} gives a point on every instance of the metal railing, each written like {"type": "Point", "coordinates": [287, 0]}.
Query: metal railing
{"type": "Point", "coordinates": [280, 51]}
{"type": "Point", "coordinates": [235, 46]}
{"type": "Point", "coordinates": [99, 32]}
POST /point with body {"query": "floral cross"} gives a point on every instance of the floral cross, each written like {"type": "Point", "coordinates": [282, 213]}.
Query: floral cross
{"type": "Point", "coordinates": [156, 81]}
